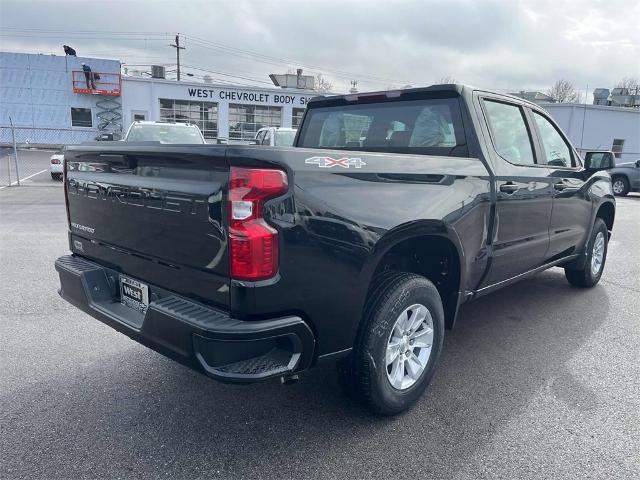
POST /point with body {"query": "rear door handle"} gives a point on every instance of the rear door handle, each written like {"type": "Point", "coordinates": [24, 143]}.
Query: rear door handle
{"type": "Point", "coordinates": [509, 188]}
{"type": "Point", "coordinates": [560, 186]}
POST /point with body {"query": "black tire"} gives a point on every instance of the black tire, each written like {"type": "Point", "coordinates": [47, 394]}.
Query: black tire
{"type": "Point", "coordinates": [623, 183]}
{"type": "Point", "coordinates": [56, 176]}
{"type": "Point", "coordinates": [364, 373]}
{"type": "Point", "coordinates": [586, 278]}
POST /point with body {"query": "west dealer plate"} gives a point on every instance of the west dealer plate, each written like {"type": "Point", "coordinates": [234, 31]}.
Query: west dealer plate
{"type": "Point", "coordinates": [134, 294]}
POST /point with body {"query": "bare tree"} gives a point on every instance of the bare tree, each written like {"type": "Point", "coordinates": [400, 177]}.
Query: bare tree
{"type": "Point", "coordinates": [631, 83]}
{"type": "Point", "coordinates": [564, 92]}
{"type": "Point", "coordinates": [446, 80]}
{"type": "Point", "coordinates": [323, 84]}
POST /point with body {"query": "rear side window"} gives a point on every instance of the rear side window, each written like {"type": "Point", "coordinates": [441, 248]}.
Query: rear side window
{"type": "Point", "coordinates": [511, 137]}
{"type": "Point", "coordinates": [430, 126]}
{"type": "Point", "coordinates": [557, 152]}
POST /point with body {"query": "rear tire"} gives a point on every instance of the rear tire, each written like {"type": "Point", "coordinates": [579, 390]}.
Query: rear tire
{"type": "Point", "coordinates": [403, 310]}
{"type": "Point", "coordinates": [56, 176]}
{"type": "Point", "coordinates": [620, 186]}
{"type": "Point", "coordinates": [597, 247]}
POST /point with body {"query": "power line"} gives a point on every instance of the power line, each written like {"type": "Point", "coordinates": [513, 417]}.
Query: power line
{"type": "Point", "coordinates": [207, 70]}
{"type": "Point", "coordinates": [201, 43]}
{"type": "Point", "coordinates": [283, 61]}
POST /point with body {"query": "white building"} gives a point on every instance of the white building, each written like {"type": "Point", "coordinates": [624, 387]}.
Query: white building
{"type": "Point", "coordinates": [597, 127]}
{"type": "Point", "coordinates": [223, 111]}
{"type": "Point", "coordinates": [51, 101]}
{"type": "Point", "coordinates": [47, 99]}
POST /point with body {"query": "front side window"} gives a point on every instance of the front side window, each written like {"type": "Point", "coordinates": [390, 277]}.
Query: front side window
{"type": "Point", "coordinates": [267, 138]}
{"type": "Point", "coordinates": [556, 151]}
{"type": "Point", "coordinates": [81, 117]}
{"type": "Point", "coordinates": [427, 126]}
{"type": "Point", "coordinates": [509, 131]}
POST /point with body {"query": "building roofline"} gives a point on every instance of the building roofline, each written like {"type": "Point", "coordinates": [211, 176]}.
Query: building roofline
{"type": "Point", "coordinates": [203, 85]}
{"type": "Point", "coordinates": [591, 106]}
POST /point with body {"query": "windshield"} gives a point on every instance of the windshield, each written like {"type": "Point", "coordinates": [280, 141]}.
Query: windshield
{"type": "Point", "coordinates": [285, 138]}
{"type": "Point", "coordinates": [164, 134]}
{"type": "Point", "coordinates": [429, 126]}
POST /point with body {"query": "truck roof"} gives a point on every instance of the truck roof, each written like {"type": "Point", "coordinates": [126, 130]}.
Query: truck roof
{"type": "Point", "coordinates": [456, 88]}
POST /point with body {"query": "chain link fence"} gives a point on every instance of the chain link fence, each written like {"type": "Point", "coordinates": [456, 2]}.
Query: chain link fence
{"type": "Point", "coordinates": [25, 153]}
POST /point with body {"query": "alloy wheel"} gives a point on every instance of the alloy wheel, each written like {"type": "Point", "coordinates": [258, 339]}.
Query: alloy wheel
{"type": "Point", "coordinates": [597, 256]}
{"type": "Point", "coordinates": [409, 346]}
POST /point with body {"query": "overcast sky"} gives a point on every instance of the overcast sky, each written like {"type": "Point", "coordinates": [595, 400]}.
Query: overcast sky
{"type": "Point", "coordinates": [503, 45]}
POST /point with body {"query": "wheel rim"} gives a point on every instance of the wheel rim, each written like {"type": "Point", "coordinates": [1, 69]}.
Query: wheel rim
{"type": "Point", "coordinates": [409, 346]}
{"type": "Point", "coordinates": [618, 186]}
{"type": "Point", "coordinates": [597, 256]}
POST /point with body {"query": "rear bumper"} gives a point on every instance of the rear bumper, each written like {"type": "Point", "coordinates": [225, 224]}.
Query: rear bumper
{"type": "Point", "coordinates": [198, 336]}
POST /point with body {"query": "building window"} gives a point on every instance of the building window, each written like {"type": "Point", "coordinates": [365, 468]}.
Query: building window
{"type": "Point", "coordinates": [202, 114]}
{"type": "Point", "coordinates": [81, 117]}
{"type": "Point", "coordinates": [246, 120]}
{"type": "Point", "coordinates": [296, 120]}
{"type": "Point", "coordinates": [618, 145]}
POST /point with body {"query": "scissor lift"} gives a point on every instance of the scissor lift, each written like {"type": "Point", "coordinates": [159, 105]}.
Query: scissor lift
{"type": "Point", "coordinates": [106, 85]}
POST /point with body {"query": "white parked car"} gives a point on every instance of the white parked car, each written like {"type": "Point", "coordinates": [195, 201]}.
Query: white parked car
{"type": "Point", "coordinates": [57, 164]}
{"type": "Point", "coordinates": [276, 136]}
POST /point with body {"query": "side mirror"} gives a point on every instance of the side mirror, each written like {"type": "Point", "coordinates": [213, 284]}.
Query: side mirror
{"type": "Point", "coordinates": [637, 163]}
{"type": "Point", "coordinates": [599, 161]}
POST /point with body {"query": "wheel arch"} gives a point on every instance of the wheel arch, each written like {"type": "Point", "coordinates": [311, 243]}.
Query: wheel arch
{"type": "Point", "coordinates": [607, 212]}
{"type": "Point", "coordinates": [421, 248]}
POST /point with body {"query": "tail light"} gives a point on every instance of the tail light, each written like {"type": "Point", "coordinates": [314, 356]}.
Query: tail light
{"type": "Point", "coordinates": [253, 244]}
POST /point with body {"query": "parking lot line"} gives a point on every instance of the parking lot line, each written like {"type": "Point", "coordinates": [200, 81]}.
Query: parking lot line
{"type": "Point", "coordinates": [23, 179]}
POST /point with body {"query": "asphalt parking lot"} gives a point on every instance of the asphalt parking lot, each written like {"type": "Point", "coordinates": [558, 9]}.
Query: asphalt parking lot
{"type": "Point", "coordinates": [540, 380]}
{"type": "Point", "coordinates": [33, 167]}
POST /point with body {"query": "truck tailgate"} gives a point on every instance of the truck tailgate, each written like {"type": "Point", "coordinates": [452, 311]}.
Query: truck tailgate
{"type": "Point", "coordinates": [152, 212]}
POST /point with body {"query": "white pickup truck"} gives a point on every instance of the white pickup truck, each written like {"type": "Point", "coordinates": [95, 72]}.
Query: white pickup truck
{"type": "Point", "coordinates": [276, 136]}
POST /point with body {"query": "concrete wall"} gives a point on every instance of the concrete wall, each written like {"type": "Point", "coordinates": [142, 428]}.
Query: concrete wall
{"type": "Point", "coordinates": [601, 125]}
{"type": "Point", "coordinates": [36, 92]}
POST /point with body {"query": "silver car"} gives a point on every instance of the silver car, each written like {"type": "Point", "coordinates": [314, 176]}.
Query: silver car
{"type": "Point", "coordinates": [625, 177]}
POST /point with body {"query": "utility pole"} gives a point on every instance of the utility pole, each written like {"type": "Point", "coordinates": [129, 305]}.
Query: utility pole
{"type": "Point", "coordinates": [178, 48]}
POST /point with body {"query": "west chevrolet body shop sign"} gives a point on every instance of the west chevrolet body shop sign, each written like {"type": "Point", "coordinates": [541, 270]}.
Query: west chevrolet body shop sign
{"type": "Point", "coordinates": [249, 97]}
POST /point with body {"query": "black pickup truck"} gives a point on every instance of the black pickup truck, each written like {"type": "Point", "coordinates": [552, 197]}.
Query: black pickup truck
{"type": "Point", "coordinates": [357, 245]}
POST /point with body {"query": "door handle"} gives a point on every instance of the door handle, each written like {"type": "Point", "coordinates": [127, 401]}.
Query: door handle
{"type": "Point", "coordinates": [509, 188]}
{"type": "Point", "coordinates": [560, 186]}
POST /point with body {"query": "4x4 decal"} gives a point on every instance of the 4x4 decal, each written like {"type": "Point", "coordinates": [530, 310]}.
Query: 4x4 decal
{"type": "Point", "coordinates": [329, 162]}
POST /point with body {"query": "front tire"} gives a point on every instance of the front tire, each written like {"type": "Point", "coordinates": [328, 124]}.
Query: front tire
{"type": "Point", "coordinates": [398, 344]}
{"type": "Point", "coordinates": [597, 247]}
{"type": "Point", "coordinates": [620, 186]}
